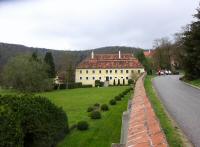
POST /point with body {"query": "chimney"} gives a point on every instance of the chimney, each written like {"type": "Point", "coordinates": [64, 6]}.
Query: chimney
{"type": "Point", "coordinates": [119, 54]}
{"type": "Point", "coordinates": [92, 55]}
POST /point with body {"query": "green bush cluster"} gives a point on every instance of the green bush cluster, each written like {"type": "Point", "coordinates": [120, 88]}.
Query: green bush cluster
{"type": "Point", "coordinates": [82, 125]}
{"type": "Point", "coordinates": [71, 86]}
{"type": "Point", "coordinates": [95, 114]}
{"type": "Point", "coordinates": [31, 121]}
{"type": "Point", "coordinates": [112, 102]}
{"type": "Point", "coordinates": [98, 83]}
{"type": "Point", "coordinates": [104, 107]}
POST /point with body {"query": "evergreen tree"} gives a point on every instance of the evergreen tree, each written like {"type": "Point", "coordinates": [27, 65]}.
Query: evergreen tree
{"type": "Point", "coordinates": [35, 56]}
{"type": "Point", "coordinates": [50, 62]}
{"type": "Point", "coordinates": [191, 62]}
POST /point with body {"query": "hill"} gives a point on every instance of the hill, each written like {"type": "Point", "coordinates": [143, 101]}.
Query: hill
{"type": "Point", "coordinates": [63, 59]}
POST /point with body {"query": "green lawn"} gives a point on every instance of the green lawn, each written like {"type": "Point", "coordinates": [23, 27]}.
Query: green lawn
{"type": "Point", "coordinates": [75, 102]}
{"type": "Point", "coordinates": [171, 132]}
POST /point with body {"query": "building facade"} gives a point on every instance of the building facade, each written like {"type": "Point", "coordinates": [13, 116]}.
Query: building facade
{"type": "Point", "coordinates": [108, 68]}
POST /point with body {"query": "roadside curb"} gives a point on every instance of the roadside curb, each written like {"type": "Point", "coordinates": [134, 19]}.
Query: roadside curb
{"type": "Point", "coordinates": [190, 85]}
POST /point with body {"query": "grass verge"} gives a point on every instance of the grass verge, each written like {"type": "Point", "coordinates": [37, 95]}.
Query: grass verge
{"type": "Point", "coordinates": [171, 132]}
{"type": "Point", "coordinates": [195, 82]}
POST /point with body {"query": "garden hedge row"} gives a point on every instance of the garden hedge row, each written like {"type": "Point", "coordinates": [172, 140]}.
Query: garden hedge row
{"type": "Point", "coordinates": [30, 121]}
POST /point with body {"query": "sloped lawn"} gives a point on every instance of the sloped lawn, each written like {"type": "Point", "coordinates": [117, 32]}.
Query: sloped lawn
{"type": "Point", "coordinates": [101, 132]}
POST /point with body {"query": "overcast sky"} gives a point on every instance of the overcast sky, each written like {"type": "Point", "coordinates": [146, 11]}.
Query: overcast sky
{"type": "Point", "coordinates": [86, 24]}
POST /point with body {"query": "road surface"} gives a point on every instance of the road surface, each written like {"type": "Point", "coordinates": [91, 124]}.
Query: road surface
{"type": "Point", "coordinates": [183, 104]}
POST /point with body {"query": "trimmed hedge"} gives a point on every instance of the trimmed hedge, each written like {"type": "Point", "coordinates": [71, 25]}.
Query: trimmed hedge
{"type": "Point", "coordinates": [118, 98]}
{"type": "Point", "coordinates": [82, 125]}
{"type": "Point", "coordinates": [112, 102]}
{"type": "Point", "coordinates": [104, 107]}
{"type": "Point", "coordinates": [30, 121]}
{"type": "Point", "coordinates": [95, 115]}
{"type": "Point", "coordinates": [90, 109]}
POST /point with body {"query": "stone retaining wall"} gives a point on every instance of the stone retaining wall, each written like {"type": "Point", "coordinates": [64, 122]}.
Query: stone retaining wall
{"type": "Point", "coordinates": [143, 128]}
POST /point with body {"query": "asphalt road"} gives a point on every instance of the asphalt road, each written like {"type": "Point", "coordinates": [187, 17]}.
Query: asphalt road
{"type": "Point", "coordinates": [183, 104]}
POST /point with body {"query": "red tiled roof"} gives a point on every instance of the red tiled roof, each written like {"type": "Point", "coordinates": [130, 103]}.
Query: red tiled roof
{"type": "Point", "coordinates": [104, 61]}
{"type": "Point", "coordinates": [148, 53]}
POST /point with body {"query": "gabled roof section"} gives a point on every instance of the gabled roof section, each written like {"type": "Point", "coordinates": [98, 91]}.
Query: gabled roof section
{"type": "Point", "coordinates": [108, 61]}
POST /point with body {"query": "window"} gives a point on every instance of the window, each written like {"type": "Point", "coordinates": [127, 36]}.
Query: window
{"type": "Point", "coordinates": [99, 71]}
{"type": "Point", "coordinates": [106, 71]}
{"type": "Point", "coordinates": [110, 78]}
{"type": "Point", "coordinates": [127, 78]}
{"type": "Point", "coordinates": [93, 71]}
{"type": "Point", "coordinates": [126, 71]}
{"type": "Point", "coordinates": [110, 71]}
{"type": "Point", "coordinates": [115, 71]}
{"type": "Point", "coordinates": [80, 78]}
{"type": "Point", "coordinates": [87, 78]}
{"type": "Point", "coordinates": [121, 71]}
{"type": "Point", "coordinates": [99, 78]}
{"type": "Point", "coordinates": [80, 71]}
{"type": "Point", "coordinates": [93, 78]}
{"type": "Point", "coordinates": [138, 71]}
{"type": "Point", "coordinates": [86, 71]}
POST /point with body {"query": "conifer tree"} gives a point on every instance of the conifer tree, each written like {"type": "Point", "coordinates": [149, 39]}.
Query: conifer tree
{"type": "Point", "coordinates": [191, 39]}
{"type": "Point", "coordinates": [50, 62]}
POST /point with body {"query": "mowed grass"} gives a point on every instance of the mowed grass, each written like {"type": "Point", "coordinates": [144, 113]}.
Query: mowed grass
{"type": "Point", "coordinates": [75, 102]}
{"type": "Point", "coordinates": [101, 132]}
{"type": "Point", "coordinates": [171, 132]}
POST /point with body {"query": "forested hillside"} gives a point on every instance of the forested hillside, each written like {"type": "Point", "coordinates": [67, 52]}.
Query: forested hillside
{"type": "Point", "coordinates": [63, 59]}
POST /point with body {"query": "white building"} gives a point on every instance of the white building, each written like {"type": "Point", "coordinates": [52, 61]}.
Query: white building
{"type": "Point", "coordinates": [108, 68]}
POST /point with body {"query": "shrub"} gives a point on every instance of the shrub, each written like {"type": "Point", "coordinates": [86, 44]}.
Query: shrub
{"type": "Point", "coordinates": [86, 86]}
{"type": "Point", "coordinates": [95, 115]}
{"type": "Point", "coordinates": [62, 86]}
{"type": "Point", "coordinates": [121, 95]}
{"type": "Point", "coordinates": [97, 105]}
{"type": "Point", "coordinates": [74, 85]}
{"type": "Point", "coordinates": [90, 109]}
{"type": "Point", "coordinates": [97, 83]}
{"type": "Point", "coordinates": [112, 102]}
{"type": "Point", "coordinates": [118, 98]}
{"type": "Point", "coordinates": [104, 107]}
{"type": "Point", "coordinates": [82, 125]}
{"type": "Point", "coordinates": [33, 121]}
{"type": "Point", "coordinates": [130, 81]}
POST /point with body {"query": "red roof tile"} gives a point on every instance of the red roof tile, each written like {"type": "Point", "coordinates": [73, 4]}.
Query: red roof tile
{"type": "Point", "coordinates": [149, 53]}
{"type": "Point", "coordinates": [104, 61]}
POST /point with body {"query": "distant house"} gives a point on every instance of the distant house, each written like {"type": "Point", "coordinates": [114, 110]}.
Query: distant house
{"type": "Point", "coordinates": [148, 53]}
{"type": "Point", "coordinates": [108, 68]}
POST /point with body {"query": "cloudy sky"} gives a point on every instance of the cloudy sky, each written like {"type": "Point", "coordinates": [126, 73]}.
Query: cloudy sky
{"type": "Point", "coordinates": [86, 24]}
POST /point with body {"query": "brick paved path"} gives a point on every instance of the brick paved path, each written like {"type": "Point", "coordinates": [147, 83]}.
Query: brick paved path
{"type": "Point", "coordinates": [144, 129]}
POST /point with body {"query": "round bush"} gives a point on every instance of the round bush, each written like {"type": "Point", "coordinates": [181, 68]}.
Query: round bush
{"type": "Point", "coordinates": [31, 121]}
{"type": "Point", "coordinates": [82, 125]}
{"type": "Point", "coordinates": [90, 109]}
{"type": "Point", "coordinates": [95, 115]}
{"type": "Point", "coordinates": [104, 107]}
{"type": "Point", "coordinates": [112, 102]}
{"type": "Point", "coordinates": [118, 98]}
{"type": "Point", "coordinates": [97, 105]}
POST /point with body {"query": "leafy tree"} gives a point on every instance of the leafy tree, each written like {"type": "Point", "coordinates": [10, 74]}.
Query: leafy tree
{"type": "Point", "coordinates": [144, 61]}
{"type": "Point", "coordinates": [50, 62]}
{"type": "Point", "coordinates": [191, 37]}
{"type": "Point", "coordinates": [25, 74]}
